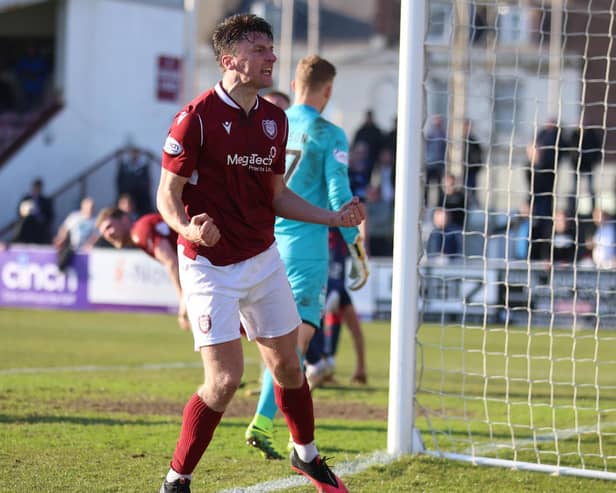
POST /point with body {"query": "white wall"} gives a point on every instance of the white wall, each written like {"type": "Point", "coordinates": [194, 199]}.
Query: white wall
{"type": "Point", "coordinates": [110, 64]}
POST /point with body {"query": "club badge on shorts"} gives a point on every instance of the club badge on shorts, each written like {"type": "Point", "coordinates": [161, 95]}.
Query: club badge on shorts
{"type": "Point", "coordinates": [270, 128]}
{"type": "Point", "coordinates": [205, 323]}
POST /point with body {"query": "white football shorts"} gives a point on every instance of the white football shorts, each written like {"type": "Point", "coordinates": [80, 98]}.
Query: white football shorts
{"type": "Point", "coordinates": [255, 292]}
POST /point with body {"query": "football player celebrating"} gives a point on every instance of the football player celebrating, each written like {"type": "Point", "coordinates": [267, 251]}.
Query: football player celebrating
{"type": "Point", "coordinates": [221, 187]}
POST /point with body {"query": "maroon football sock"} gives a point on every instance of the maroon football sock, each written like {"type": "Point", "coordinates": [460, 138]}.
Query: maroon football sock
{"type": "Point", "coordinates": [296, 406]}
{"type": "Point", "coordinates": [198, 425]}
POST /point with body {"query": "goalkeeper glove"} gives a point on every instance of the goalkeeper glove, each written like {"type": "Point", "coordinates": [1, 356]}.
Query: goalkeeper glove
{"type": "Point", "coordinates": [359, 264]}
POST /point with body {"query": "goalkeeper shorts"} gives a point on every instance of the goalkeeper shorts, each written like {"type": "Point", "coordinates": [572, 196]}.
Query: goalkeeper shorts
{"type": "Point", "coordinates": [308, 279]}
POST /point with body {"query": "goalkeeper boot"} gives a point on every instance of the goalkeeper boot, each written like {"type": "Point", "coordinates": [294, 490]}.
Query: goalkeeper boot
{"type": "Point", "coordinates": [262, 440]}
{"type": "Point", "coordinates": [319, 473]}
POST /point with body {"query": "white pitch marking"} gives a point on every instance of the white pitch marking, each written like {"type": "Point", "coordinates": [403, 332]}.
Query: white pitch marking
{"type": "Point", "coordinates": [101, 368]}
{"type": "Point", "coordinates": [97, 368]}
{"type": "Point", "coordinates": [342, 469]}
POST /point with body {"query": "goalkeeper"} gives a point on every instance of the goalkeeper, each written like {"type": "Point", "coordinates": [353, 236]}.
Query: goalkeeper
{"type": "Point", "coordinates": [317, 170]}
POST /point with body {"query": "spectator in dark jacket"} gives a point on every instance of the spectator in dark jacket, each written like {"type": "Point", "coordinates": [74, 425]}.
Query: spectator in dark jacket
{"type": "Point", "coordinates": [444, 241]}
{"type": "Point", "coordinates": [42, 211]}
{"type": "Point", "coordinates": [372, 135]}
{"type": "Point", "coordinates": [473, 162]}
{"type": "Point", "coordinates": [564, 248]}
{"type": "Point", "coordinates": [435, 152]}
{"type": "Point", "coordinates": [133, 178]}
{"type": "Point", "coordinates": [27, 229]}
{"type": "Point", "coordinates": [586, 146]}
{"type": "Point", "coordinates": [544, 153]}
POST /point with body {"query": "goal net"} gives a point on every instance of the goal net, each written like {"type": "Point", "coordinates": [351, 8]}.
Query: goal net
{"type": "Point", "coordinates": [516, 348]}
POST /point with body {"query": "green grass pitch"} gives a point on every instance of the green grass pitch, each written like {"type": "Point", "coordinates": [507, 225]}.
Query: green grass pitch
{"type": "Point", "coordinates": [91, 402]}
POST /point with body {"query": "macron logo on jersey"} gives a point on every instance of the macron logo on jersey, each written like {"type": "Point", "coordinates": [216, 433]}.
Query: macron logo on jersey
{"type": "Point", "coordinates": [227, 127]}
{"type": "Point", "coordinates": [341, 156]}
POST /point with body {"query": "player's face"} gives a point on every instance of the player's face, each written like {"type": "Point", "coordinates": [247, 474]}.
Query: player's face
{"type": "Point", "coordinates": [253, 60]}
{"type": "Point", "coordinates": [114, 231]}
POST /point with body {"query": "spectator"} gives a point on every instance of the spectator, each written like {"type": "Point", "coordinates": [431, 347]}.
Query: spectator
{"type": "Point", "coordinates": [543, 155]}
{"type": "Point", "coordinates": [473, 162]}
{"type": "Point", "coordinates": [42, 210]}
{"type": "Point", "coordinates": [603, 243]}
{"type": "Point", "coordinates": [126, 203]}
{"type": "Point", "coordinates": [436, 148]}
{"type": "Point", "coordinates": [382, 179]}
{"type": "Point", "coordinates": [27, 228]}
{"type": "Point", "coordinates": [586, 152]}
{"type": "Point", "coordinates": [443, 243]}
{"type": "Point", "coordinates": [77, 231]}
{"type": "Point", "coordinates": [519, 233]}
{"type": "Point", "coordinates": [372, 136]}
{"type": "Point", "coordinates": [564, 249]}
{"type": "Point", "coordinates": [359, 170]}
{"type": "Point", "coordinates": [390, 140]}
{"type": "Point", "coordinates": [133, 178]}
{"type": "Point", "coordinates": [32, 70]}
{"type": "Point", "coordinates": [453, 202]}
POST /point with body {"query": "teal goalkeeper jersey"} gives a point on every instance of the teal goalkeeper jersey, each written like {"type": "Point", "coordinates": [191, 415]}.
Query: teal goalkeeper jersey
{"type": "Point", "coordinates": [316, 170]}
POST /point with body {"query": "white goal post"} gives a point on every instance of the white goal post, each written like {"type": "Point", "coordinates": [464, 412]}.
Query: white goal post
{"type": "Point", "coordinates": [503, 315]}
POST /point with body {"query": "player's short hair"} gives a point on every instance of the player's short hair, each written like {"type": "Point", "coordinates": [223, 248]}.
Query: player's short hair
{"type": "Point", "coordinates": [313, 71]}
{"type": "Point", "coordinates": [109, 213]}
{"type": "Point", "coordinates": [278, 94]}
{"type": "Point", "coordinates": [236, 28]}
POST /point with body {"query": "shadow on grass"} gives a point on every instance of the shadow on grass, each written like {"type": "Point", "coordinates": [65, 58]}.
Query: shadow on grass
{"type": "Point", "coordinates": [352, 427]}
{"type": "Point", "coordinates": [81, 420]}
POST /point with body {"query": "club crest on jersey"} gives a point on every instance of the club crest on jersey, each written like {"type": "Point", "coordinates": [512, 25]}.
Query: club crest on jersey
{"type": "Point", "coordinates": [172, 146]}
{"type": "Point", "coordinates": [270, 128]}
{"type": "Point", "coordinates": [341, 156]}
{"type": "Point", "coordinates": [205, 323]}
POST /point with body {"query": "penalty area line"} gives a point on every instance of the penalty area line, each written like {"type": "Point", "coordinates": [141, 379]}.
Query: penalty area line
{"type": "Point", "coordinates": [343, 469]}
{"type": "Point", "coordinates": [100, 368]}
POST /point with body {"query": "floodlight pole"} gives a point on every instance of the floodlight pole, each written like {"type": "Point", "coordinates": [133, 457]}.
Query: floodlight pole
{"type": "Point", "coordinates": [313, 27]}
{"type": "Point", "coordinates": [190, 50]}
{"type": "Point", "coordinates": [554, 70]}
{"type": "Point", "coordinates": [286, 46]}
{"type": "Point", "coordinates": [401, 434]}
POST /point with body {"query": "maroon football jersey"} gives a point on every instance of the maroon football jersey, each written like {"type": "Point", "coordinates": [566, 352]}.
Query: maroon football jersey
{"type": "Point", "coordinates": [230, 159]}
{"type": "Point", "coordinates": [148, 230]}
